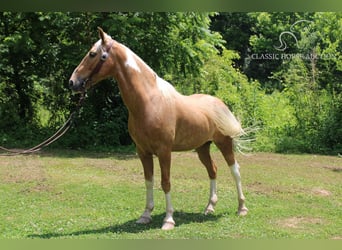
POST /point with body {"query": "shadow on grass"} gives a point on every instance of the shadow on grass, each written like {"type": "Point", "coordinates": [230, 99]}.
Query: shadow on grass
{"type": "Point", "coordinates": [132, 227]}
{"type": "Point", "coordinates": [117, 153]}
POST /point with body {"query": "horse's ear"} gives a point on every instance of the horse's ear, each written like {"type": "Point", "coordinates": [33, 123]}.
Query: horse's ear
{"type": "Point", "coordinates": [102, 34]}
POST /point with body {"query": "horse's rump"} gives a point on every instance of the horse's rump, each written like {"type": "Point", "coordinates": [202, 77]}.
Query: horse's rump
{"type": "Point", "coordinates": [220, 114]}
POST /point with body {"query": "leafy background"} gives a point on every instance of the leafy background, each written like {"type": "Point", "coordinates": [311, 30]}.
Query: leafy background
{"type": "Point", "coordinates": [296, 103]}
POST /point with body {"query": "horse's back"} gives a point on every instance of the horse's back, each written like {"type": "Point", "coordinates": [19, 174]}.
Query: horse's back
{"type": "Point", "coordinates": [218, 112]}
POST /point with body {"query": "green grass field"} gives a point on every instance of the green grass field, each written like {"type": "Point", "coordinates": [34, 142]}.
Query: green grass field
{"type": "Point", "coordinates": [62, 194]}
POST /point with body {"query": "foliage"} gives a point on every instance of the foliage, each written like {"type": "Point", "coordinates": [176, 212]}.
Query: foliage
{"type": "Point", "coordinates": [267, 117]}
{"type": "Point", "coordinates": [40, 50]}
{"type": "Point", "coordinates": [305, 78]}
{"type": "Point", "coordinates": [294, 99]}
{"type": "Point", "coordinates": [236, 29]}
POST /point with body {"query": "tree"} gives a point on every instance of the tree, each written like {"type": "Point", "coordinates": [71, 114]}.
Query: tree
{"type": "Point", "coordinates": [236, 30]}
{"type": "Point", "coordinates": [312, 82]}
{"type": "Point", "coordinates": [40, 50]}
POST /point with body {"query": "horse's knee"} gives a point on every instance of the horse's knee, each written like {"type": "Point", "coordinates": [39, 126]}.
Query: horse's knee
{"type": "Point", "coordinates": [166, 186]}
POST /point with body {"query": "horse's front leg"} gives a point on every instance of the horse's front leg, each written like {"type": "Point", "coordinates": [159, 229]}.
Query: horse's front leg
{"type": "Point", "coordinates": [165, 165]}
{"type": "Point", "coordinates": [147, 162]}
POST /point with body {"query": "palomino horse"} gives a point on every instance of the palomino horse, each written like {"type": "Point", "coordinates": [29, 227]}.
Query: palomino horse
{"type": "Point", "coordinates": [162, 120]}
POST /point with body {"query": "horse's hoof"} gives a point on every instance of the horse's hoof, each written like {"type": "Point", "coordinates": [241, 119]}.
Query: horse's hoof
{"type": "Point", "coordinates": [209, 210]}
{"type": "Point", "coordinates": [243, 211]}
{"type": "Point", "coordinates": [168, 226]}
{"type": "Point", "coordinates": [144, 220]}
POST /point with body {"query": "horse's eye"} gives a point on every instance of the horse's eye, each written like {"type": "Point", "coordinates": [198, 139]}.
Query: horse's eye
{"type": "Point", "coordinates": [92, 54]}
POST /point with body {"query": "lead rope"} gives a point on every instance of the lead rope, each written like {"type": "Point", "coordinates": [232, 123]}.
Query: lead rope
{"type": "Point", "coordinates": [60, 132]}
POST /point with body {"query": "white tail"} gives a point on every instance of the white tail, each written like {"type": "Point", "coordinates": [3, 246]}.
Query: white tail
{"type": "Point", "coordinates": [227, 123]}
{"type": "Point", "coordinates": [224, 119]}
{"type": "Point", "coordinates": [244, 144]}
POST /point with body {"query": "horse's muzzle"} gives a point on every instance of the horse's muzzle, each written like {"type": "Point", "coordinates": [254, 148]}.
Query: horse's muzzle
{"type": "Point", "coordinates": [77, 85]}
{"type": "Point", "coordinates": [71, 83]}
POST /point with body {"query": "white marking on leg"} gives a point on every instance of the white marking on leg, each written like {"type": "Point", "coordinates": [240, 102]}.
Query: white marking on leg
{"type": "Point", "coordinates": [130, 60]}
{"type": "Point", "coordinates": [237, 177]}
{"type": "Point", "coordinates": [146, 216]}
{"type": "Point", "coordinates": [212, 198]}
{"type": "Point", "coordinates": [169, 223]}
{"type": "Point", "coordinates": [242, 210]}
{"type": "Point", "coordinates": [149, 195]}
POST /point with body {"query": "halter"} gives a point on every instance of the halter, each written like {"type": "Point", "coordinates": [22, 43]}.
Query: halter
{"type": "Point", "coordinates": [100, 63]}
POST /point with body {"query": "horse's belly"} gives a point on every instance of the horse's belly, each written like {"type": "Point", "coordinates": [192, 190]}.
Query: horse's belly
{"type": "Point", "coordinates": [186, 147]}
{"type": "Point", "coordinates": [191, 135]}
{"type": "Point", "coordinates": [190, 142]}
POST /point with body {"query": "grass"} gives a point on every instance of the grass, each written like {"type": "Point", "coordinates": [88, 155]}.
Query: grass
{"type": "Point", "coordinates": [66, 194]}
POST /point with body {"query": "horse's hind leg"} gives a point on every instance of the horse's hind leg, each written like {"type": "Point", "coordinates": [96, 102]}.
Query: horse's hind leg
{"type": "Point", "coordinates": [204, 156]}
{"type": "Point", "coordinates": [225, 144]}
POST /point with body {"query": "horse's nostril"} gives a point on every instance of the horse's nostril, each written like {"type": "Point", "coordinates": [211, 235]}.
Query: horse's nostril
{"type": "Point", "coordinates": [71, 83]}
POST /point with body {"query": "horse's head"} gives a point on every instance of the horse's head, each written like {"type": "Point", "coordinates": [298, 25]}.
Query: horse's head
{"type": "Point", "coordinates": [95, 65]}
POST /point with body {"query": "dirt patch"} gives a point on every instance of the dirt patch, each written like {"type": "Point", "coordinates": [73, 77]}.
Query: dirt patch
{"type": "Point", "coordinates": [321, 192]}
{"type": "Point", "coordinates": [30, 176]}
{"type": "Point", "coordinates": [28, 172]}
{"type": "Point", "coordinates": [36, 188]}
{"type": "Point", "coordinates": [259, 188]}
{"type": "Point", "coordinates": [334, 169]}
{"type": "Point", "coordinates": [332, 163]}
{"type": "Point", "coordinates": [23, 174]}
{"type": "Point", "coordinates": [299, 222]}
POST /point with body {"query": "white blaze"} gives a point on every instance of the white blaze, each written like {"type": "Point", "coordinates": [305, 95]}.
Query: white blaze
{"type": "Point", "coordinates": [130, 60]}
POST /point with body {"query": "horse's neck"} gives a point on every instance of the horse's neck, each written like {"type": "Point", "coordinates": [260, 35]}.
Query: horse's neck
{"type": "Point", "coordinates": [135, 78]}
